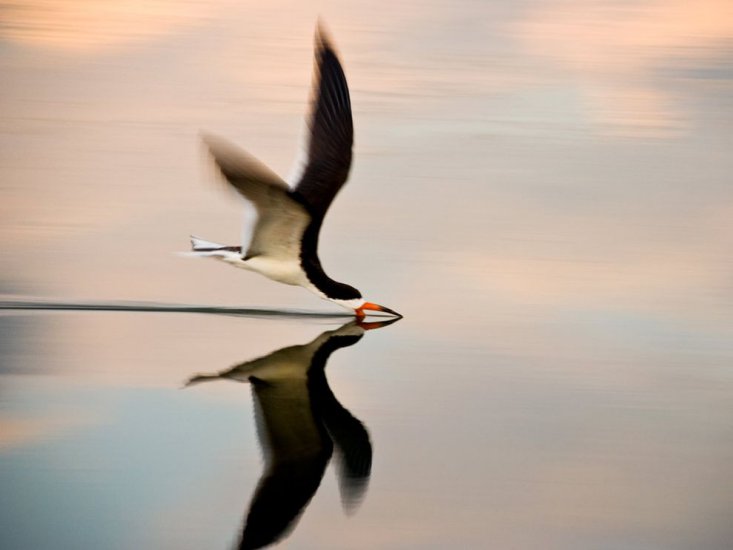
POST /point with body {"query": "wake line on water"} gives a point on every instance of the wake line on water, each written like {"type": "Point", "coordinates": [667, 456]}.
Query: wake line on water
{"type": "Point", "coordinates": [152, 307]}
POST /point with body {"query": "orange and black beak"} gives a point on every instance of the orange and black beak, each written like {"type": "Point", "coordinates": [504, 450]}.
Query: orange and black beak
{"type": "Point", "coordinates": [373, 307]}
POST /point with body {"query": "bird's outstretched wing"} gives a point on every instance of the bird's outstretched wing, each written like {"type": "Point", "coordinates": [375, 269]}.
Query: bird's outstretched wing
{"type": "Point", "coordinates": [331, 133]}
{"type": "Point", "coordinates": [281, 220]}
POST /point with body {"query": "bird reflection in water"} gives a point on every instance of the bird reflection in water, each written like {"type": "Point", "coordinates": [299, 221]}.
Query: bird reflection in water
{"type": "Point", "coordinates": [300, 424]}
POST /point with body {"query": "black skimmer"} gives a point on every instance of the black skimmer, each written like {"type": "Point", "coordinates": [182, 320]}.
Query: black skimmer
{"type": "Point", "coordinates": [300, 424]}
{"type": "Point", "coordinates": [283, 244]}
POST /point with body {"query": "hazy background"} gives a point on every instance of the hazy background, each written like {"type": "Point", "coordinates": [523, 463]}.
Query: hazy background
{"type": "Point", "coordinates": [543, 189]}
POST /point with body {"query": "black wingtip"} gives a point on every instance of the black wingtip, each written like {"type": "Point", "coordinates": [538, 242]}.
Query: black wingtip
{"type": "Point", "coordinates": [197, 379]}
{"type": "Point", "coordinates": [323, 39]}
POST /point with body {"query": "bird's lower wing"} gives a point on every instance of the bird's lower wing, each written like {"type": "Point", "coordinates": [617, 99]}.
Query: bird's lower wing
{"type": "Point", "coordinates": [279, 230]}
{"type": "Point", "coordinates": [281, 220]}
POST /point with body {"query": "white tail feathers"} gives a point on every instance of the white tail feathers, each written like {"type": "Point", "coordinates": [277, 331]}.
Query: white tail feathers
{"type": "Point", "coordinates": [201, 248]}
{"type": "Point", "coordinates": [198, 245]}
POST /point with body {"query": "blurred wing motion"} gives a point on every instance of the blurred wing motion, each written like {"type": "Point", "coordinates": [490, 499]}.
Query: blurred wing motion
{"type": "Point", "coordinates": [283, 215]}
{"type": "Point", "coordinates": [281, 220]}
{"type": "Point", "coordinates": [331, 133]}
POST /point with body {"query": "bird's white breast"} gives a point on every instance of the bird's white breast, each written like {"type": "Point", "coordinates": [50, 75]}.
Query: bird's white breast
{"type": "Point", "coordinates": [283, 270]}
{"type": "Point", "coordinates": [286, 271]}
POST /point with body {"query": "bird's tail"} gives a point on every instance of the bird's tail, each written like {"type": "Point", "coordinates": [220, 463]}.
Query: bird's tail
{"type": "Point", "coordinates": [201, 247]}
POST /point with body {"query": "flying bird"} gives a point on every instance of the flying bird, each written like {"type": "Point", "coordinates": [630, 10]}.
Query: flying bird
{"type": "Point", "coordinates": [283, 243]}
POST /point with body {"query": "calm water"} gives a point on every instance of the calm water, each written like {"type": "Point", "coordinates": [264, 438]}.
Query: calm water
{"type": "Point", "coordinates": [542, 188]}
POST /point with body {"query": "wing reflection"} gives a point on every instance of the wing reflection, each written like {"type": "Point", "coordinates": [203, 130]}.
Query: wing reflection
{"type": "Point", "coordinates": [301, 424]}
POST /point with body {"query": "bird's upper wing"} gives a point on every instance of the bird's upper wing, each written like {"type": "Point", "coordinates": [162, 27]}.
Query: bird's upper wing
{"type": "Point", "coordinates": [281, 220]}
{"type": "Point", "coordinates": [331, 132]}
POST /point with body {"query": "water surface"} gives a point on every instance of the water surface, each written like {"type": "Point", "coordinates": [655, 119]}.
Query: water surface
{"type": "Point", "coordinates": [542, 188]}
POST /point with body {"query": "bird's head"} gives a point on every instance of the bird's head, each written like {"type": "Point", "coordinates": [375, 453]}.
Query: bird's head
{"type": "Point", "coordinates": [350, 298]}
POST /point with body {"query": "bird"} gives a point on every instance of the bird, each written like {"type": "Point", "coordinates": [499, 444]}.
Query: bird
{"type": "Point", "coordinates": [283, 242]}
{"type": "Point", "coordinates": [300, 424]}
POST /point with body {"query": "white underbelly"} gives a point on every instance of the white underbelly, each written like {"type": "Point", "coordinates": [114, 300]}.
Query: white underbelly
{"type": "Point", "coordinates": [283, 271]}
